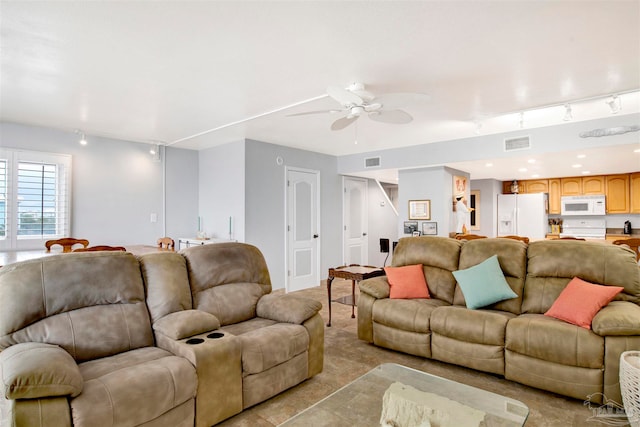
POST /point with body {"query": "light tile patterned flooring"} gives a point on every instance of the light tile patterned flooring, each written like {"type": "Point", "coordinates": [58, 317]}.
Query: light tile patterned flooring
{"type": "Point", "coordinates": [347, 358]}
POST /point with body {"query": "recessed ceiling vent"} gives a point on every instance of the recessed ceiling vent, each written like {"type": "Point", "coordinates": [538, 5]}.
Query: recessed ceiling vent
{"type": "Point", "coordinates": [372, 162]}
{"type": "Point", "coordinates": [519, 143]}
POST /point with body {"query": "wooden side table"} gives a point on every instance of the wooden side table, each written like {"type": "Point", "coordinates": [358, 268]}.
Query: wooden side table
{"type": "Point", "coordinates": [355, 273]}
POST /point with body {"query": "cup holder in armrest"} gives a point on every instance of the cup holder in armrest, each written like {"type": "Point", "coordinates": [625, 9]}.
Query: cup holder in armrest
{"type": "Point", "coordinates": [194, 341]}
{"type": "Point", "coordinates": [214, 335]}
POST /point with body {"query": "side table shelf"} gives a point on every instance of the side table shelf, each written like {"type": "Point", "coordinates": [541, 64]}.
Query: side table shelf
{"type": "Point", "coordinates": [355, 273]}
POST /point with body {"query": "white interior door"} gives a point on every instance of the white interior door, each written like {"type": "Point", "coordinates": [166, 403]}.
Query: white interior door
{"type": "Point", "coordinates": [303, 229]}
{"type": "Point", "coordinates": [356, 221]}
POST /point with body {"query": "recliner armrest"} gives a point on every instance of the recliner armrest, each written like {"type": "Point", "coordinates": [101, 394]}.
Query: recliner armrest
{"type": "Point", "coordinates": [34, 370]}
{"type": "Point", "coordinates": [619, 318]}
{"type": "Point", "coordinates": [287, 308]}
{"type": "Point", "coordinates": [186, 323]}
{"type": "Point", "coordinates": [377, 287]}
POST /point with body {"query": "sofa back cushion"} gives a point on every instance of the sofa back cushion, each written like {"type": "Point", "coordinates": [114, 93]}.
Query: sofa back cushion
{"type": "Point", "coordinates": [439, 256]}
{"type": "Point", "coordinates": [512, 256]}
{"type": "Point", "coordinates": [92, 304]}
{"type": "Point", "coordinates": [553, 263]}
{"type": "Point", "coordinates": [227, 279]}
{"type": "Point", "coordinates": [167, 283]}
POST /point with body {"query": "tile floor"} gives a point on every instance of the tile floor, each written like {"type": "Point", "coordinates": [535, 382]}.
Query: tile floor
{"type": "Point", "coordinates": [347, 358]}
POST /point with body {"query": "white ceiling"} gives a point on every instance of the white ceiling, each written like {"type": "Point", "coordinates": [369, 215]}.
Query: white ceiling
{"type": "Point", "coordinates": [186, 72]}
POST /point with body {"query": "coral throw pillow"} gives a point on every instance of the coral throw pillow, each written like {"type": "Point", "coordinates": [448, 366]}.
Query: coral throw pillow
{"type": "Point", "coordinates": [580, 301]}
{"type": "Point", "coordinates": [407, 282]}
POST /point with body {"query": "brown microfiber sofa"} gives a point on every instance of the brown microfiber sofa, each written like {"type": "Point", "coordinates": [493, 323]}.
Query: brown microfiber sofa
{"type": "Point", "coordinates": [169, 339]}
{"type": "Point", "coordinates": [512, 338]}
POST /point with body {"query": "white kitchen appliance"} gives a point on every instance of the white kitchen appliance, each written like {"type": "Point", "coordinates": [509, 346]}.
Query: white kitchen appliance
{"type": "Point", "coordinates": [583, 205]}
{"type": "Point", "coordinates": [523, 215]}
{"type": "Point", "coordinates": [584, 228]}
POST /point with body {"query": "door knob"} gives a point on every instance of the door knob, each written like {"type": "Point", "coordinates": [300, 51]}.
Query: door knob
{"type": "Point", "coordinates": [315, 236]}
{"type": "Point", "coordinates": [364, 234]}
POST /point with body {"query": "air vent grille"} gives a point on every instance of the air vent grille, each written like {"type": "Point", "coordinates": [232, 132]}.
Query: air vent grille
{"type": "Point", "coordinates": [519, 143]}
{"type": "Point", "coordinates": [372, 162]}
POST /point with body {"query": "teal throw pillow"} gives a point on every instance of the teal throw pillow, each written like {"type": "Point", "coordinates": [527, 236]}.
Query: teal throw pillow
{"type": "Point", "coordinates": [484, 284]}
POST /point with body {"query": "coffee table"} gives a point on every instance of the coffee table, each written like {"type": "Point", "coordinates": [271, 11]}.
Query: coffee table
{"type": "Point", "coordinates": [360, 402]}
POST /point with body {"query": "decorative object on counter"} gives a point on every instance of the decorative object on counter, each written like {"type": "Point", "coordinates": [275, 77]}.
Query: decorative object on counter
{"type": "Point", "coordinates": [556, 225]}
{"type": "Point", "coordinates": [627, 227]}
{"type": "Point", "coordinates": [515, 188]}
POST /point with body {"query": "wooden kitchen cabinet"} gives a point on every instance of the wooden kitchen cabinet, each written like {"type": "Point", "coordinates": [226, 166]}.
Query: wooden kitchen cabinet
{"type": "Point", "coordinates": [634, 192]}
{"type": "Point", "coordinates": [617, 192]}
{"type": "Point", "coordinates": [571, 186]}
{"type": "Point", "coordinates": [555, 192]}
{"type": "Point", "coordinates": [593, 184]}
{"type": "Point", "coordinates": [536, 185]}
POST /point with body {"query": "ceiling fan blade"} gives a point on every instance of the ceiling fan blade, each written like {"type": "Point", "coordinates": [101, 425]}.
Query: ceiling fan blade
{"type": "Point", "coordinates": [397, 100]}
{"type": "Point", "coordinates": [305, 113]}
{"type": "Point", "coordinates": [343, 122]}
{"type": "Point", "coordinates": [398, 117]}
{"type": "Point", "coordinates": [343, 96]}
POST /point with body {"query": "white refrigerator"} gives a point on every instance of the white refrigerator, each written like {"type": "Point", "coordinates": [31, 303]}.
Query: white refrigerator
{"type": "Point", "coordinates": [523, 215]}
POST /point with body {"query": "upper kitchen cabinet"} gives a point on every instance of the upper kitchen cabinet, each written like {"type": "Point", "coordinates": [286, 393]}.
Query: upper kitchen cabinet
{"type": "Point", "coordinates": [593, 184]}
{"type": "Point", "coordinates": [617, 191]}
{"type": "Point", "coordinates": [571, 186]}
{"type": "Point", "coordinates": [555, 192]}
{"type": "Point", "coordinates": [536, 185]}
{"type": "Point", "coordinates": [634, 182]}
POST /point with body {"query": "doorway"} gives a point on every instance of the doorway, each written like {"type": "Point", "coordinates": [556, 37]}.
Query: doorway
{"type": "Point", "coordinates": [355, 220]}
{"type": "Point", "coordinates": [303, 229]}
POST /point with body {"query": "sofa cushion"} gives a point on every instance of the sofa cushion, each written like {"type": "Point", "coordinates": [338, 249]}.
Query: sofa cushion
{"type": "Point", "coordinates": [230, 303]}
{"type": "Point", "coordinates": [406, 314]}
{"type": "Point", "coordinates": [33, 370]}
{"type": "Point", "coordinates": [407, 282]}
{"type": "Point", "coordinates": [545, 338]}
{"type": "Point", "coordinates": [132, 388]}
{"type": "Point", "coordinates": [484, 284]}
{"type": "Point", "coordinates": [474, 326]}
{"type": "Point", "coordinates": [287, 308]}
{"type": "Point", "coordinates": [512, 256]}
{"type": "Point", "coordinates": [267, 347]}
{"type": "Point", "coordinates": [580, 301]}
{"type": "Point", "coordinates": [621, 318]}
{"type": "Point", "coordinates": [553, 263]}
{"type": "Point", "coordinates": [439, 256]}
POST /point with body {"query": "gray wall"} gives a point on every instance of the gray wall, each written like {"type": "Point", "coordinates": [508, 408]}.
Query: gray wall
{"type": "Point", "coordinates": [115, 184]}
{"type": "Point", "coordinates": [434, 184]}
{"type": "Point", "coordinates": [488, 209]}
{"type": "Point", "coordinates": [222, 191]}
{"type": "Point", "coordinates": [265, 209]}
{"type": "Point", "coordinates": [383, 223]}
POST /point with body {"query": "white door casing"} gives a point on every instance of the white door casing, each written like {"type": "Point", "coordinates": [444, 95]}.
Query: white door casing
{"type": "Point", "coordinates": [355, 221]}
{"type": "Point", "coordinates": [302, 228]}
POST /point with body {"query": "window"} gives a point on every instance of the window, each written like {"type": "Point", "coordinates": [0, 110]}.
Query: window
{"type": "Point", "coordinates": [34, 198]}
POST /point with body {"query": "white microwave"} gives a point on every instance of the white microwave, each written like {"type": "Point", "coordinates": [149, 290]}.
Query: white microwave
{"type": "Point", "coordinates": [583, 205]}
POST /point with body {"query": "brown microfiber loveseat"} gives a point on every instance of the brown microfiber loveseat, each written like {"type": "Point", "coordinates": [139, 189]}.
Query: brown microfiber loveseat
{"type": "Point", "coordinates": [513, 337]}
{"type": "Point", "coordinates": [107, 339]}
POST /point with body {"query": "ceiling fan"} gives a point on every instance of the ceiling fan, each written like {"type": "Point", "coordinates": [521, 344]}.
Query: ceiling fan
{"type": "Point", "coordinates": [356, 102]}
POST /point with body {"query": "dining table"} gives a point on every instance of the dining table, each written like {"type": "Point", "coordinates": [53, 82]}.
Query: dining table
{"type": "Point", "coordinates": [10, 257]}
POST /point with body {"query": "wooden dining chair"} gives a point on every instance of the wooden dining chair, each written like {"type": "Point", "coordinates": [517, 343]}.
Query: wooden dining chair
{"type": "Point", "coordinates": [166, 243]}
{"type": "Point", "coordinates": [101, 248]}
{"type": "Point", "coordinates": [521, 238]}
{"type": "Point", "coordinates": [67, 243]}
{"type": "Point", "coordinates": [469, 236]}
{"type": "Point", "coordinates": [632, 243]}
